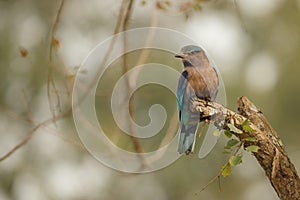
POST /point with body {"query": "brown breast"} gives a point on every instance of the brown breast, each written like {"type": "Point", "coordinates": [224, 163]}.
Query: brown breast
{"type": "Point", "coordinates": [203, 81]}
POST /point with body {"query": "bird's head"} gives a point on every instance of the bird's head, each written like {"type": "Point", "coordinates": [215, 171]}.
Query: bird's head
{"type": "Point", "coordinates": [190, 55]}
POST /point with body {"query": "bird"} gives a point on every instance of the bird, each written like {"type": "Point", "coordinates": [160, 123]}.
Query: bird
{"type": "Point", "coordinates": [198, 79]}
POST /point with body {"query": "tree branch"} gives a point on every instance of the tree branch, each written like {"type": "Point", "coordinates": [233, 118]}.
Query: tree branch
{"type": "Point", "coordinates": [271, 153]}
{"type": "Point", "coordinates": [51, 82]}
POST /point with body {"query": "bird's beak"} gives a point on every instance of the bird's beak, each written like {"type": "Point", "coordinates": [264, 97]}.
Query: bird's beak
{"type": "Point", "coordinates": [180, 55]}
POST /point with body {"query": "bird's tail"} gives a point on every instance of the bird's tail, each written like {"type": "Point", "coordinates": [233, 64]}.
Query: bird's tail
{"type": "Point", "coordinates": [187, 138]}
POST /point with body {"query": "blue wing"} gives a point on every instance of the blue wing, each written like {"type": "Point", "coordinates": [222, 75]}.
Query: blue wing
{"type": "Point", "coordinates": [188, 121]}
{"type": "Point", "coordinates": [182, 83]}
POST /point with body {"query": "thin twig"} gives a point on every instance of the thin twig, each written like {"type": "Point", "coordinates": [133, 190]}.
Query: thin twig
{"type": "Point", "coordinates": [51, 82]}
{"type": "Point", "coordinates": [107, 53]}
{"type": "Point", "coordinates": [50, 79]}
{"type": "Point", "coordinates": [31, 133]}
{"type": "Point", "coordinates": [145, 52]}
{"type": "Point", "coordinates": [137, 146]}
{"type": "Point", "coordinates": [220, 173]}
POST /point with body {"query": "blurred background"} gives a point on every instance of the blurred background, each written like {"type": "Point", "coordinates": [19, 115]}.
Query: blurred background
{"type": "Point", "coordinates": [255, 45]}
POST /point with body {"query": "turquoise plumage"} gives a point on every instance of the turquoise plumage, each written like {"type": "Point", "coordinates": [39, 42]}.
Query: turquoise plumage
{"type": "Point", "coordinates": [199, 79]}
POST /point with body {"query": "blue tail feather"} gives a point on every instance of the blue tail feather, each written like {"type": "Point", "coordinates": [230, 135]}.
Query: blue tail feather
{"type": "Point", "coordinates": [186, 141]}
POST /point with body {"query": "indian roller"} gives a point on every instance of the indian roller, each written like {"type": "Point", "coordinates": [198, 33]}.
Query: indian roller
{"type": "Point", "coordinates": [198, 79]}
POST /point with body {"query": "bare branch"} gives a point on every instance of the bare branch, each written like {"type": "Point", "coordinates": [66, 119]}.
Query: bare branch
{"type": "Point", "coordinates": [51, 82]}
{"type": "Point", "coordinates": [30, 134]}
{"type": "Point", "coordinates": [136, 143]}
{"type": "Point", "coordinates": [271, 153]}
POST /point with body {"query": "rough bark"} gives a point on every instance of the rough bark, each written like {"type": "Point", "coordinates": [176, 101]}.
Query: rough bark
{"type": "Point", "coordinates": [271, 154]}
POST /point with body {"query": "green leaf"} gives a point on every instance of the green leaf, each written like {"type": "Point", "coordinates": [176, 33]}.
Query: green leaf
{"type": "Point", "coordinates": [252, 148]}
{"type": "Point", "coordinates": [246, 122]}
{"type": "Point", "coordinates": [216, 133]}
{"type": "Point", "coordinates": [231, 143]}
{"type": "Point", "coordinates": [226, 170]}
{"type": "Point", "coordinates": [235, 160]}
{"type": "Point", "coordinates": [234, 129]}
{"type": "Point", "coordinates": [226, 152]}
{"type": "Point", "coordinates": [246, 127]}
{"type": "Point", "coordinates": [228, 134]}
{"type": "Point", "coordinates": [250, 139]}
